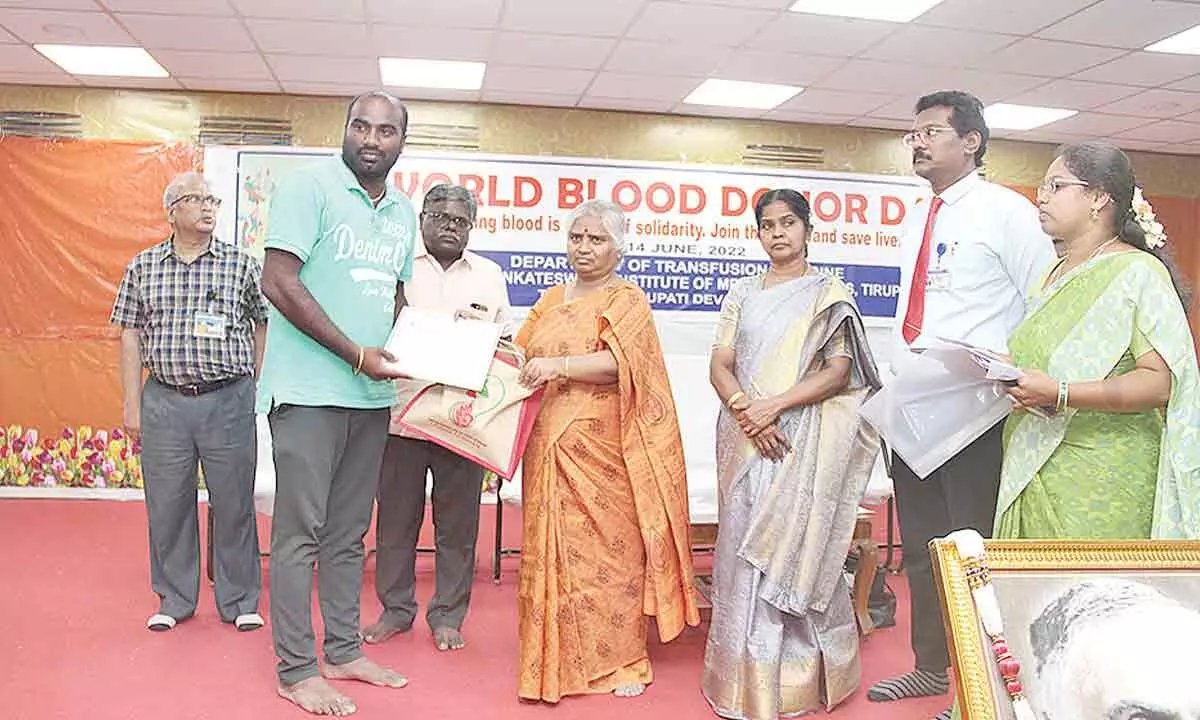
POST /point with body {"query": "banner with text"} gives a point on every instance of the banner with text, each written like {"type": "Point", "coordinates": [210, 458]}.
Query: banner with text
{"type": "Point", "coordinates": [690, 229]}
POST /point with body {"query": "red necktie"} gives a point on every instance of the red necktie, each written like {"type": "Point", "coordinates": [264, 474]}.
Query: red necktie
{"type": "Point", "coordinates": [915, 316]}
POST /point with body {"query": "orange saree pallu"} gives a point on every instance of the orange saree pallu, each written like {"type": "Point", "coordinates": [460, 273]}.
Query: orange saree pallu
{"type": "Point", "coordinates": [604, 490]}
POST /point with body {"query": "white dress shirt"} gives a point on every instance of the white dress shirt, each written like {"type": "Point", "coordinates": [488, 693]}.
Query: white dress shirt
{"type": "Point", "coordinates": [472, 279]}
{"type": "Point", "coordinates": [986, 253]}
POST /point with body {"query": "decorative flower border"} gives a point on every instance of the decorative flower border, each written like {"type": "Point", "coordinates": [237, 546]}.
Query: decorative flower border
{"type": "Point", "coordinates": [80, 457]}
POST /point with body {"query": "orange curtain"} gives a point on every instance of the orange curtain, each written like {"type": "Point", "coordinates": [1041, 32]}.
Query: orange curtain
{"type": "Point", "coordinates": [72, 215]}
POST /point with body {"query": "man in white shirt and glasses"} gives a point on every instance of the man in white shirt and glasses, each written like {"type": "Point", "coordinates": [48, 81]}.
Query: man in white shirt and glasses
{"type": "Point", "coordinates": [965, 278]}
{"type": "Point", "coordinates": [450, 279]}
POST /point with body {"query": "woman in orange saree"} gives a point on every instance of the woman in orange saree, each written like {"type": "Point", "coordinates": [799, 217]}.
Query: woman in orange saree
{"type": "Point", "coordinates": [604, 490]}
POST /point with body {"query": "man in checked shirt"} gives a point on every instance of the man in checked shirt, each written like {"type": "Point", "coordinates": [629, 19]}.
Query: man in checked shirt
{"type": "Point", "coordinates": [192, 313]}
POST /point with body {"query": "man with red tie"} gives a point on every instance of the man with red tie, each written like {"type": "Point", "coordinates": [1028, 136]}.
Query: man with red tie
{"type": "Point", "coordinates": [981, 250]}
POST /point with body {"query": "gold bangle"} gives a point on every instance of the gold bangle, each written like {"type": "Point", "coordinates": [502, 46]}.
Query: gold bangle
{"type": "Point", "coordinates": [361, 355]}
{"type": "Point", "coordinates": [734, 398]}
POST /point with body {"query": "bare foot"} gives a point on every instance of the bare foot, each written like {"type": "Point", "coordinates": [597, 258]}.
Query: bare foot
{"type": "Point", "coordinates": [447, 638]}
{"type": "Point", "coordinates": [318, 697]}
{"type": "Point", "coordinates": [628, 691]}
{"type": "Point", "coordinates": [383, 629]}
{"type": "Point", "coordinates": [365, 670]}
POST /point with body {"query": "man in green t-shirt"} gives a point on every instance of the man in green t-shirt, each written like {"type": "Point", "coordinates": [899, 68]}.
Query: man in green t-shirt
{"type": "Point", "coordinates": [339, 250]}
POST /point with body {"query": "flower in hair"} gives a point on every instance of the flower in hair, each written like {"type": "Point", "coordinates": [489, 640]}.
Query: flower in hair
{"type": "Point", "coordinates": [1143, 214]}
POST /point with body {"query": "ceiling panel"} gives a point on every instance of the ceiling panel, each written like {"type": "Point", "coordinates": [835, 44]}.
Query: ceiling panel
{"type": "Point", "coordinates": [1164, 131]}
{"type": "Point", "coordinates": [317, 69]}
{"type": "Point", "coordinates": [242, 86]}
{"type": "Point", "coordinates": [8, 77]}
{"type": "Point", "coordinates": [669, 90]}
{"type": "Point", "coordinates": [820, 35]}
{"type": "Point", "coordinates": [87, 5]}
{"type": "Point", "coordinates": [566, 51]}
{"type": "Point", "coordinates": [626, 104]}
{"type": "Point", "coordinates": [80, 28]}
{"type": "Point", "coordinates": [176, 32]}
{"type": "Point", "coordinates": [23, 59]}
{"type": "Point", "coordinates": [537, 80]}
{"type": "Point", "coordinates": [1132, 24]}
{"type": "Point", "coordinates": [837, 102]}
{"type": "Point", "coordinates": [446, 44]}
{"type": "Point", "coordinates": [350, 11]}
{"type": "Point", "coordinates": [213, 65]}
{"type": "Point", "coordinates": [758, 4]}
{"type": "Point", "coordinates": [1191, 84]}
{"type": "Point", "coordinates": [1017, 17]}
{"type": "Point", "coordinates": [310, 37]}
{"type": "Point", "coordinates": [954, 47]}
{"type": "Point", "coordinates": [1143, 68]}
{"type": "Point", "coordinates": [343, 89]}
{"type": "Point", "coordinates": [704, 25]}
{"type": "Point", "coordinates": [809, 118]}
{"type": "Point", "coordinates": [1074, 95]}
{"type": "Point", "coordinates": [609, 18]}
{"type": "Point", "coordinates": [1047, 58]}
{"type": "Point", "coordinates": [165, 7]}
{"type": "Point", "coordinates": [134, 83]}
{"type": "Point", "coordinates": [691, 60]}
{"type": "Point", "coordinates": [506, 97]}
{"type": "Point", "coordinates": [443, 13]}
{"type": "Point", "coordinates": [1155, 104]}
{"type": "Point", "coordinates": [802, 70]}
{"type": "Point", "coordinates": [1096, 125]}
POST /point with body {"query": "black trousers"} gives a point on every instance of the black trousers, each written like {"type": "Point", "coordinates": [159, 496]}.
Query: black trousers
{"type": "Point", "coordinates": [960, 494]}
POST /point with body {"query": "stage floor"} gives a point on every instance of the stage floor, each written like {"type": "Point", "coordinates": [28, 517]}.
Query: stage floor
{"type": "Point", "coordinates": [74, 645]}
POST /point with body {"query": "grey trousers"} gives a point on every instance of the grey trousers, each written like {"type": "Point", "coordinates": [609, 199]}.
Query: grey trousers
{"type": "Point", "coordinates": [457, 485]}
{"type": "Point", "coordinates": [216, 431]}
{"type": "Point", "coordinates": [327, 471]}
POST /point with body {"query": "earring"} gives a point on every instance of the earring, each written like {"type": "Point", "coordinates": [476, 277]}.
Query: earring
{"type": "Point", "coordinates": [1095, 214]}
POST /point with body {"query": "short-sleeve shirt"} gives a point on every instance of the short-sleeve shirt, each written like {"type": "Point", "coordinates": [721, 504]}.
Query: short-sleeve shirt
{"type": "Point", "coordinates": [163, 298]}
{"type": "Point", "coordinates": [354, 255]}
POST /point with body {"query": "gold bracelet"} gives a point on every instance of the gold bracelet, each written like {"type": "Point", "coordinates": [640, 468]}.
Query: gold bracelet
{"type": "Point", "coordinates": [734, 398]}
{"type": "Point", "coordinates": [361, 355]}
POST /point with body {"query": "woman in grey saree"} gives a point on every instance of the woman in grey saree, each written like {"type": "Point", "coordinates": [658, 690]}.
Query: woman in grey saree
{"type": "Point", "coordinates": [791, 365]}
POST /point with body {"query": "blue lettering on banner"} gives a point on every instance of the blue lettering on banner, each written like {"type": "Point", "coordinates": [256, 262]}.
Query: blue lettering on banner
{"type": "Point", "coordinates": [689, 283]}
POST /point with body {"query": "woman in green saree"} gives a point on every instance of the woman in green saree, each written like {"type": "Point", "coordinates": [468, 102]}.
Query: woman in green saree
{"type": "Point", "coordinates": [1105, 438]}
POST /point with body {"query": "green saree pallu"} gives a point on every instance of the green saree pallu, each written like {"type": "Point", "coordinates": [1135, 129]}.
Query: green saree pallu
{"type": "Point", "coordinates": [1084, 474]}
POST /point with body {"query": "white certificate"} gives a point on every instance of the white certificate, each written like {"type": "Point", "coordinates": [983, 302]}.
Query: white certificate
{"type": "Point", "coordinates": [436, 347]}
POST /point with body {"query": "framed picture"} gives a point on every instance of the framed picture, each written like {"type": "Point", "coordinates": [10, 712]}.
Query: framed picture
{"type": "Point", "coordinates": [1098, 630]}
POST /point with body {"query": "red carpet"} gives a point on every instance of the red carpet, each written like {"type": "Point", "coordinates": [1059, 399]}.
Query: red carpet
{"type": "Point", "coordinates": [73, 642]}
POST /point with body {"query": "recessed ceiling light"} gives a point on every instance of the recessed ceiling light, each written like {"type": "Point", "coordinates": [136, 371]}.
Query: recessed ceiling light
{"type": "Point", "coordinates": [1003, 116]}
{"type": "Point", "coordinates": [441, 74]}
{"type": "Point", "coordinates": [1184, 43]}
{"type": "Point", "coordinates": [103, 60]}
{"type": "Point", "coordinates": [738, 94]}
{"type": "Point", "coordinates": [889, 10]}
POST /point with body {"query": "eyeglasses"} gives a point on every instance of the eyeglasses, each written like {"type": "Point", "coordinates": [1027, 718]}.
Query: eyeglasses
{"type": "Point", "coordinates": [926, 135]}
{"type": "Point", "coordinates": [1054, 184]}
{"type": "Point", "coordinates": [454, 221]}
{"type": "Point", "coordinates": [197, 200]}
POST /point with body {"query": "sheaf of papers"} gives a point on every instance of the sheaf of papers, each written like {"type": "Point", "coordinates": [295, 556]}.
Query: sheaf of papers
{"type": "Point", "coordinates": [941, 401]}
{"type": "Point", "coordinates": [439, 348]}
{"type": "Point", "coordinates": [996, 366]}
